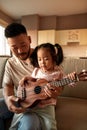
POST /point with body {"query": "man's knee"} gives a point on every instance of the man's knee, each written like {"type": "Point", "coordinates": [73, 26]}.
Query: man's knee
{"type": "Point", "coordinates": [30, 121]}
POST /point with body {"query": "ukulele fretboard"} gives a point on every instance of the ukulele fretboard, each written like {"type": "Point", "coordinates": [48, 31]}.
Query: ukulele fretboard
{"type": "Point", "coordinates": [63, 82]}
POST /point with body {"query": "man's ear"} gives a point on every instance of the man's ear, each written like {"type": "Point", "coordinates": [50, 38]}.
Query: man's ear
{"type": "Point", "coordinates": [29, 38]}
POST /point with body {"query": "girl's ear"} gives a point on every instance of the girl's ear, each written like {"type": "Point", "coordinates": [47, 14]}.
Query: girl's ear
{"type": "Point", "coordinates": [29, 38]}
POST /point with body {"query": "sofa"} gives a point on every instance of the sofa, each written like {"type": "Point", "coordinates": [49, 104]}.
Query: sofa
{"type": "Point", "coordinates": [71, 109]}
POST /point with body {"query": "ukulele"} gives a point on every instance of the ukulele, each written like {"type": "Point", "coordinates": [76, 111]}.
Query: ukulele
{"type": "Point", "coordinates": [33, 92]}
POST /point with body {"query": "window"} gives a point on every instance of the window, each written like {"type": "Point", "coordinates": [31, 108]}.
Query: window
{"type": "Point", "coordinates": [4, 48]}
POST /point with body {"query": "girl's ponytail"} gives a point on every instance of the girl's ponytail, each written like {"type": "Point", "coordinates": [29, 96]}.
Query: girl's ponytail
{"type": "Point", "coordinates": [59, 54]}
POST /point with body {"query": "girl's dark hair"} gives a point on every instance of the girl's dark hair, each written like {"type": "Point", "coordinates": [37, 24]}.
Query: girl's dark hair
{"type": "Point", "coordinates": [14, 29]}
{"type": "Point", "coordinates": [59, 53]}
{"type": "Point", "coordinates": [55, 51]}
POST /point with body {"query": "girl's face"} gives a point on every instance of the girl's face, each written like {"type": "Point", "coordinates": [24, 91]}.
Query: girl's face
{"type": "Point", "coordinates": [45, 60]}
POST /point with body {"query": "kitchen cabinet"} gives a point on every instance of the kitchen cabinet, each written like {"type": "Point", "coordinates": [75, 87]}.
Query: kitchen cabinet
{"type": "Point", "coordinates": [63, 37]}
{"type": "Point", "coordinates": [74, 36]}
{"type": "Point", "coordinates": [45, 36]}
{"type": "Point", "coordinates": [83, 36]}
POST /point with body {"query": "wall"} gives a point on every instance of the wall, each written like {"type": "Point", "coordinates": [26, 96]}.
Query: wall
{"type": "Point", "coordinates": [34, 23]}
{"type": "Point", "coordinates": [34, 40]}
{"type": "Point", "coordinates": [5, 19]}
{"type": "Point", "coordinates": [31, 22]}
{"type": "Point", "coordinates": [78, 21]}
{"type": "Point", "coordinates": [55, 22]}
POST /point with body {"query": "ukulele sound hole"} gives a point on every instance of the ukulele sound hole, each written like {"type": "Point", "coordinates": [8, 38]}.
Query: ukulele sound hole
{"type": "Point", "coordinates": [37, 89]}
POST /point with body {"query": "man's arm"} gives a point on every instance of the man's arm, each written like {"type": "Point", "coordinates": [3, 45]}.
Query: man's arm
{"type": "Point", "coordinates": [11, 99]}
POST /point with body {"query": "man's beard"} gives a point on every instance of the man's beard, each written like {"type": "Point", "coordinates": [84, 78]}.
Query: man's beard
{"type": "Point", "coordinates": [24, 56]}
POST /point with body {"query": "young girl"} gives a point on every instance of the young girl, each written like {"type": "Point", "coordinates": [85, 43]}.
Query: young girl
{"type": "Point", "coordinates": [47, 59]}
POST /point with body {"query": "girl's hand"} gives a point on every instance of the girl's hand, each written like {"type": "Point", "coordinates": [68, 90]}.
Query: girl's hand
{"type": "Point", "coordinates": [72, 77]}
{"type": "Point", "coordinates": [52, 91]}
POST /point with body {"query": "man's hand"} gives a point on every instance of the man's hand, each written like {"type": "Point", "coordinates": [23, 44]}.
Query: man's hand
{"type": "Point", "coordinates": [25, 80]}
{"type": "Point", "coordinates": [11, 103]}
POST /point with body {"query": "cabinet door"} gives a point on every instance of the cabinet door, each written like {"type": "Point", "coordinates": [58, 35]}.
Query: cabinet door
{"type": "Point", "coordinates": [45, 36]}
{"type": "Point", "coordinates": [61, 37]}
{"type": "Point", "coordinates": [83, 36]}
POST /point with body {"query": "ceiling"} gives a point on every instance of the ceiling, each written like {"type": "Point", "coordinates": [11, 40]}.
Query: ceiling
{"type": "Point", "coordinates": [18, 8]}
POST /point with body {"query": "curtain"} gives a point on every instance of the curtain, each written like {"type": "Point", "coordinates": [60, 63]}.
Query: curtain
{"type": "Point", "coordinates": [4, 48]}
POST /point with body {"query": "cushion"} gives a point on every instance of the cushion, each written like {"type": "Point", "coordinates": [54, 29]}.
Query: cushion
{"type": "Point", "coordinates": [70, 65]}
{"type": "Point", "coordinates": [71, 113]}
{"type": "Point", "coordinates": [2, 66]}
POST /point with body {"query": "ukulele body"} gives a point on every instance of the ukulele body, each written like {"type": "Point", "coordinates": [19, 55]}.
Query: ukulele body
{"type": "Point", "coordinates": [32, 93]}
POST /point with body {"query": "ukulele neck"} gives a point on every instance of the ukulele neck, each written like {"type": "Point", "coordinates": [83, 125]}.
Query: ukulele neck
{"type": "Point", "coordinates": [64, 81]}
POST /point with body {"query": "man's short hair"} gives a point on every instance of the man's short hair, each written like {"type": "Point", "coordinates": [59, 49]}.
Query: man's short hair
{"type": "Point", "coordinates": [14, 29]}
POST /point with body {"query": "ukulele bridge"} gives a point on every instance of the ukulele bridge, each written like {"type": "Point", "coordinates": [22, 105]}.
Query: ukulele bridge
{"type": "Point", "coordinates": [23, 94]}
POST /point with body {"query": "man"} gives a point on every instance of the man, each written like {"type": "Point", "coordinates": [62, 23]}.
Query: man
{"type": "Point", "coordinates": [16, 68]}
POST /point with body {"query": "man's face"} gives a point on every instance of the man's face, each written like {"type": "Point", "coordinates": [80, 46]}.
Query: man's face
{"type": "Point", "coordinates": [20, 46]}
